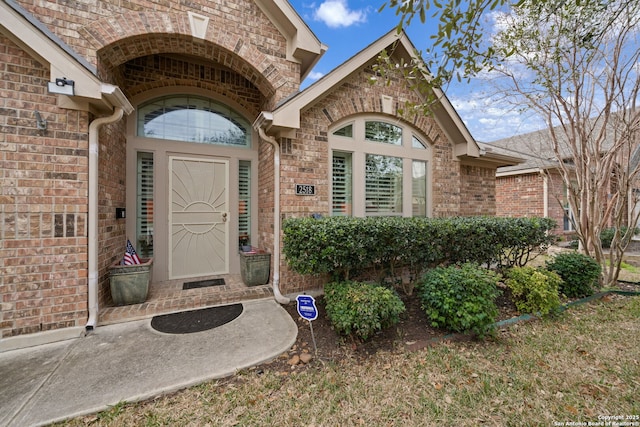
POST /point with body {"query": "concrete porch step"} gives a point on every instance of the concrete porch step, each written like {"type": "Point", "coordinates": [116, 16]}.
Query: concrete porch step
{"type": "Point", "coordinates": [169, 297]}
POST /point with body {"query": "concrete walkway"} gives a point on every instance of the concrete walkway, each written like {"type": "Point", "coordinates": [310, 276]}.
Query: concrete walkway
{"type": "Point", "coordinates": [131, 361]}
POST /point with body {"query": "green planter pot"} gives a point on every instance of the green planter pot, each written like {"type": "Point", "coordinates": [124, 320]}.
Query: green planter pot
{"type": "Point", "coordinates": [255, 268]}
{"type": "Point", "coordinates": [130, 283]}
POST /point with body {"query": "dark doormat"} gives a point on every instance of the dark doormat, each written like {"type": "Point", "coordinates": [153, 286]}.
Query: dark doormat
{"type": "Point", "coordinates": [202, 284]}
{"type": "Point", "coordinates": [188, 322]}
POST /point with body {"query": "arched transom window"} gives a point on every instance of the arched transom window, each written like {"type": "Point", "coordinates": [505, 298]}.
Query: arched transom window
{"type": "Point", "coordinates": [379, 169]}
{"type": "Point", "coordinates": [193, 119]}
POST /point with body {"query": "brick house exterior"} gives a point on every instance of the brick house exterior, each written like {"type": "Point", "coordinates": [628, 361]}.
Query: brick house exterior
{"type": "Point", "coordinates": [534, 187]}
{"type": "Point", "coordinates": [70, 160]}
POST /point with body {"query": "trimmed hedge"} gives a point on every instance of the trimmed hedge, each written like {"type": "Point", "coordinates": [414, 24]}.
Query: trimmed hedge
{"type": "Point", "coordinates": [343, 246]}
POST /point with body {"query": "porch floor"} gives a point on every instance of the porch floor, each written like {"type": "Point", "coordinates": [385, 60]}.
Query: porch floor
{"type": "Point", "coordinates": [169, 297]}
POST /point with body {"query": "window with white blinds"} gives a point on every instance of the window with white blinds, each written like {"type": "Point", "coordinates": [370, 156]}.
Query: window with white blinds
{"type": "Point", "coordinates": [244, 208]}
{"type": "Point", "coordinates": [341, 184]}
{"type": "Point", "coordinates": [379, 168]}
{"type": "Point", "coordinates": [193, 119]}
{"type": "Point", "coordinates": [144, 204]}
{"type": "Point", "coordinates": [419, 188]}
{"type": "Point", "coordinates": [383, 192]}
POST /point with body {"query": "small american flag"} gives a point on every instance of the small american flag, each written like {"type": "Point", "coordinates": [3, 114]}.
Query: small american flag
{"type": "Point", "coordinates": [130, 255]}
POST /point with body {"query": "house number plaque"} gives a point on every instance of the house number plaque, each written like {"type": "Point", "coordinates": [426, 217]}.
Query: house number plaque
{"type": "Point", "coordinates": [305, 190]}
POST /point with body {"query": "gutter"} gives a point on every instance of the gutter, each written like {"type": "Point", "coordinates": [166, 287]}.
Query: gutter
{"type": "Point", "coordinates": [94, 148]}
{"type": "Point", "coordinates": [276, 209]}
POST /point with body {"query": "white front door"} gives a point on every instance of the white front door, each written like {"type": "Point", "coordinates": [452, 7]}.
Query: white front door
{"type": "Point", "coordinates": [198, 217]}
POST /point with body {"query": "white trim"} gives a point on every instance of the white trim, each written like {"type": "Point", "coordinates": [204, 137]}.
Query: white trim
{"type": "Point", "coordinates": [359, 147]}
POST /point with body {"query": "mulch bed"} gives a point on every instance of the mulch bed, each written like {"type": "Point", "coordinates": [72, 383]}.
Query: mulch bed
{"type": "Point", "coordinates": [412, 333]}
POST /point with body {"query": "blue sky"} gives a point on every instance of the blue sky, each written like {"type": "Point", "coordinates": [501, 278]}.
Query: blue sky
{"type": "Point", "coordinates": [348, 26]}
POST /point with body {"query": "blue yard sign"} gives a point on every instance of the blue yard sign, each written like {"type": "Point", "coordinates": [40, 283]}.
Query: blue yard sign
{"type": "Point", "coordinates": [307, 307]}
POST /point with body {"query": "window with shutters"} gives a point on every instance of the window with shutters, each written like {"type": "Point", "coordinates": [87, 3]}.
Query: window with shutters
{"type": "Point", "coordinates": [341, 184]}
{"type": "Point", "coordinates": [419, 188]}
{"type": "Point", "coordinates": [244, 200]}
{"type": "Point", "coordinates": [383, 188]}
{"type": "Point", "coordinates": [379, 169]}
{"type": "Point", "coordinates": [144, 202]}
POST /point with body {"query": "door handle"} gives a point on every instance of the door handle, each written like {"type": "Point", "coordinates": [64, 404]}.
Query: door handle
{"type": "Point", "coordinates": [224, 217]}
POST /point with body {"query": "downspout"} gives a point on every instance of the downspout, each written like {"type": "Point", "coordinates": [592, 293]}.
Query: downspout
{"type": "Point", "coordinates": [276, 215]}
{"type": "Point", "coordinates": [545, 195]}
{"type": "Point", "coordinates": [94, 148]}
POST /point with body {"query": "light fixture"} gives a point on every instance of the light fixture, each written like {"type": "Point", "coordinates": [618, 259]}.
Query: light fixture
{"type": "Point", "coordinates": [62, 86]}
{"type": "Point", "coordinates": [41, 123]}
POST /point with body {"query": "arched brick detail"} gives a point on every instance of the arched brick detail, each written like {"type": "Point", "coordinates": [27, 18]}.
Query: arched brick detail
{"type": "Point", "coordinates": [355, 97]}
{"type": "Point", "coordinates": [208, 86]}
{"type": "Point", "coordinates": [123, 37]}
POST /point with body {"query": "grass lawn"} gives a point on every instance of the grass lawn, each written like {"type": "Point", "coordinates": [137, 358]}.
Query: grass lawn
{"type": "Point", "coordinates": [578, 367]}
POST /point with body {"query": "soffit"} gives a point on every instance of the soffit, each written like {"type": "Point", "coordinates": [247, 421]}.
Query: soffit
{"type": "Point", "coordinates": [37, 40]}
{"type": "Point", "coordinates": [302, 44]}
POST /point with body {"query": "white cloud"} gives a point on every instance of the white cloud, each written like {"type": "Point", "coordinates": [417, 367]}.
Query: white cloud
{"type": "Point", "coordinates": [315, 75]}
{"type": "Point", "coordinates": [489, 119]}
{"type": "Point", "coordinates": [336, 13]}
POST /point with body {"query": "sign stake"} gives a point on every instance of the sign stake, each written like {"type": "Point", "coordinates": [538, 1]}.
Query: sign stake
{"type": "Point", "coordinates": [307, 310]}
{"type": "Point", "coordinates": [315, 347]}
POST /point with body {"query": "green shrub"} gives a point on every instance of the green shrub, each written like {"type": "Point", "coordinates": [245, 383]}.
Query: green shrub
{"type": "Point", "coordinates": [535, 289]}
{"type": "Point", "coordinates": [580, 273]}
{"type": "Point", "coordinates": [606, 236]}
{"type": "Point", "coordinates": [361, 309]}
{"type": "Point", "coordinates": [460, 298]}
{"type": "Point", "coordinates": [344, 247]}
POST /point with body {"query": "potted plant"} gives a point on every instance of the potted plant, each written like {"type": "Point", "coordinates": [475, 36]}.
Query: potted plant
{"type": "Point", "coordinates": [255, 266]}
{"type": "Point", "coordinates": [130, 277]}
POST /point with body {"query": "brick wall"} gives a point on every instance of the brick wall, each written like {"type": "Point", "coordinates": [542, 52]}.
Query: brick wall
{"type": "Point", "coordinates": [478, 190]}
{"type": "Point", "coordinates": [305, 158]}
{"type": "Point", "coordinates": [520, 195]}
{"type": "Point", "coordinates": [111, 195]}
{"type": "Point", "coordinates": [523, 196]}
{"type": "Point", "coordinates": [43, 202]}
{"type": "Point", "coordinates": [240, 36]}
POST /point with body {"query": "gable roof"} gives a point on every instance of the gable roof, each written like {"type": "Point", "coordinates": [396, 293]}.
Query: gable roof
{"type": "Point", "coordinates": [34, 37]}
{"type": "Point", "coordinates": [47, 48]}
{"type": "Point", "coordinates": [287, 114]}
{"type": "Point", "coordinates": [302, 44]}
{"type": "Point", "coordinates": [537, 151]}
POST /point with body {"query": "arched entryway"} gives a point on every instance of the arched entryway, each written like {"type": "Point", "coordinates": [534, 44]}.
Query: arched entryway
{"type": "Point", "coordinates": [218, 206]}
{"type": "Point", "coordinates": [192, 168]}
